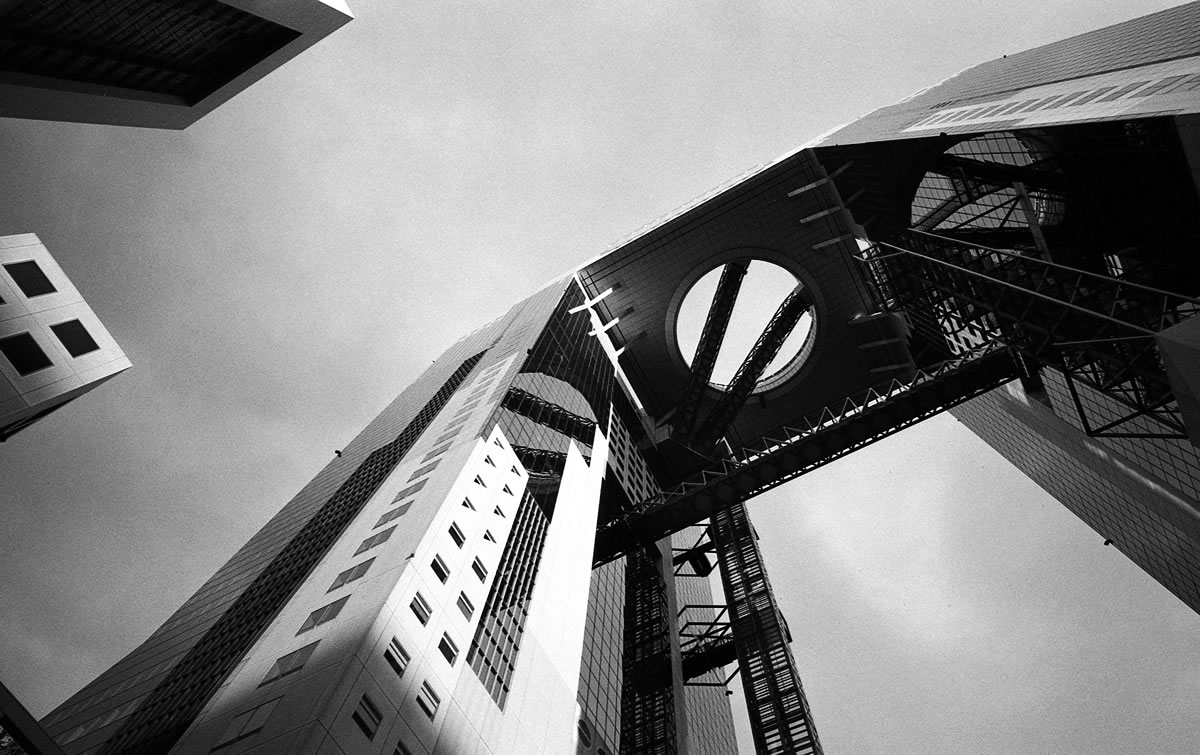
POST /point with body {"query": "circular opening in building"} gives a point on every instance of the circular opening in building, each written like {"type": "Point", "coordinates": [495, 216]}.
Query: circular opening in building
{"type": "Point", "coordinates": [763, 288]}
{"type": "Point", "coordinates": [585, 733]}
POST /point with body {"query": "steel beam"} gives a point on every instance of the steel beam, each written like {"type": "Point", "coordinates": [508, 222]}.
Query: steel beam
{"type": "Point", "coordinates": [810, 442]}
{"type": "Point", "coordinates": [711, 338]}
{"type": "Point", "coordinates": [746, 378]}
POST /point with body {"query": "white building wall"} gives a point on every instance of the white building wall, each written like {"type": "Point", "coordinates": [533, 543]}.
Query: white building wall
{"type": "Point", "coordinates": [23, 396]}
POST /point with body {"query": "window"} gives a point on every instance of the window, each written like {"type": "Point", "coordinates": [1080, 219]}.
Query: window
{"type": "Point", "coordinates": [416, 486]}
{"type": "Point", "coordinates": [424, 470]}
{"type": "Point", "coordinates": [479, 481]}
{"type": "Point", "coordinates": [24, 354]}
{"type": "Point", "coordinates": [351, 574]}
{"type": "Point", "coordinates": [448, 649]}
{"type": "Point", "coordinates": [428, 700]}
{"type": "Point", "coordinates": [396, 656]}
{"type": "Point", "coordinates": [247, 724]}
{"type": "Point", "coordinates": [323, 614]}
{"type": "Point", "coordinates": [75, 338]}
{"type": "Point", "coordinates": [374, 540]}
{"type": "Point", "coordinates": [439, 569]}
{"type": "Point", "coordinates": [456, 534]}
{"type": "Point", "coordinates": [367, 716]}
{"type": "Point", "coordinates": [498, 442]}
{"type": "Point", "coordinates": [467, 504]}
{"type": "Point", "coordinates": [487, 535]}
{"type": "Point", "coordinates": [465, 605]}
{"type": "Point", "coordinates": [395, 513]}
{"type": "Point", "coordinates": [479, 569]}
{"type": "Point", "coordinates": [290, 663]}
{"type": "Point", "coordinates": [420, 608]}
{"type": "Point", "coordinates": [436, 452]}
{"type": "Point", "coordinates": [508, 490]}
{"type": "Point", "coordinates": [30, 278]}
{"type": "Point", "coordinates": [488, 459]}
{"type": "Point", "coordinates": [401, 749]}
{"type": "Point", "coordinates": [515, 471]}
{"type": "Point", "coordinates": [498, 512]}
{"type": "Point", "coordinates": [585, 733]}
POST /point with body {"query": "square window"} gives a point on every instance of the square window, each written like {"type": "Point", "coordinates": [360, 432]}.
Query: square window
{"type": "Point", "coordinates": [396, 656]}
{"type": "Point", "coordinates": [428, 700]}
{"type": "Point", "coordinates": [75, 338]}
{"type": "Point", "coordinates": [367, 716]}
{"type": "Point", "coordinates": [448, 649]}
{"type": "Point", "coordinates": [439, 569]}
{"type": "Point", "coordinates": [24, 354]}
{"type": "Point", "coordinates": [420, 608]}
{"type": "Point", "coordinates": [290, 663]}
{"type": "Point", "coordinates": [323, 614]}
{"type": "Point", "coordinates": [30, 278]}
{"type": "Point", "coordinates": [465, 605]}
{"type": "Point", "coordinates": [479, 569]}
{"type": "Point", "coordinates": [351, 574]}
{"type": "Point", "coordinates": [456, 535]}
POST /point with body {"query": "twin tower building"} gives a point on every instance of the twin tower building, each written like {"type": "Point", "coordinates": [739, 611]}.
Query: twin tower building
{"type": "Point", "coordinates": [516, 555]}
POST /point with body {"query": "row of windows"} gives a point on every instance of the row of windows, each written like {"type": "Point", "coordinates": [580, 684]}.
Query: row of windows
{"type": "Point", "coordinates": [27, 357]}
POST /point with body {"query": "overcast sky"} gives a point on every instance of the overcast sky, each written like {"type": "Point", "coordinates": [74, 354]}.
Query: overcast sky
{"type": "Point", "coordinates": [280, 270]}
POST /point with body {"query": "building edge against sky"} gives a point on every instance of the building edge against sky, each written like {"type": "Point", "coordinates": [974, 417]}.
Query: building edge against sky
{"type": "Point", "coordinates": [54, 347]}
{"type": "Point", "coordinates": [1016, 153]}
{"type": "Point", "coordinates": [160, 64]}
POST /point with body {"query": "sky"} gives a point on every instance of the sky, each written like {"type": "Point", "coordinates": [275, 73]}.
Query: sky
{"type": "Point", "coordinates": [280, 270]}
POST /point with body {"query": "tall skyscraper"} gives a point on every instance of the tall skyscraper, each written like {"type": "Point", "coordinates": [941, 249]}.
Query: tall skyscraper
{"type": "Point", "coordinates": [1015, 244]}
{"type": "Point", "coordinates": [153, 63]}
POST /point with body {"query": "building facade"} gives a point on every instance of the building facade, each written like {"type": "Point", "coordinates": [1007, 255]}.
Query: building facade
{"type": "Point", "coordinates": [1015, 244]}
{"type": "Point", "coordinates": [54, 347]}
{"type": "Point", "coordinates": [151, 63]}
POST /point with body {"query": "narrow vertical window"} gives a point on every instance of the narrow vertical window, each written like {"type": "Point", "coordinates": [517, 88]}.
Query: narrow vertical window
{"type": "Point", "coordinates": [456, 534]}
{"type": "Point", "coordinates": [396, 656]}
{"type": "Point", "coordinates": [488, 536]}
{"type": "Point", "coordinates": [367, 716]}
{"type": "Point", "coordinates": [488, 459]}
{"type": "Point", "coordinates": [467, 504]}
{"type": "Point", "coordinates": [498, 512]}
{"type": "Point", "coordinates": [448, 649]}
{"type": "Point", "coordinates": [465, 605]}
{"type": "Point", "coordinates": [420, 608]}
{"type": "Point", "coordinates": [479, 569]}
{"type": "Point", "coordinates": [428, 700]}
{"type": "Point", "coordinates": [439, 569]}
{"type": "Point", "coordinates": [479, 481]}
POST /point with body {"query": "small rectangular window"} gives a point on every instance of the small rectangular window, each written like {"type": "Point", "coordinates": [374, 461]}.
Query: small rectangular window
{"type": "Point", "coordinates": [479, 481]}
{"type": "Point", "coordinates": [488, 459]}
{"type": "Point", "coordinates": [448, 649]}
{"type": "Point", "coordinates": [415, 487]}
{"type": "Point", "coordinates": [479, 569]}
{"type": "Point", "coordinates": [290, 663]}
{"type": "Point", "coordinates": [424, 470]}
{"type": "Point", "coordinates": [447, 436]}
{"type": "Point", "coordinates": [508, 490]}
{"type": "Point", "coordinates": [420, 608]}
{"type": "Point", "coordinates": [515, 471]}
{"type": "Point", "coordinates": [323, 614]}
{"type": "Point", "coordinates": [499, 512]}
{"type": "Point", "coordinates": [376, 539]}
{"type": "Point", "coordinates": [456, 534]}
{"type": "Point", "coordinates": [395, 513]}
{"type": "Point", "coordinates": [401, 749]}
{"type": "Point", "coordinates": [465, 605]}
{"type": "Point", "coordinates": [467, 504]}
{"type": "Point", "coordinates": [75, 338]}
{"type": "Point", "coordinates": [367, 716]}
{"type": "Point", "coordinates": [247, 724]}
{"type": "Point", "coordinates": [498, 442]}
{"type": "Point", "coordinates": [24, 354]}
{"type": "Point", "coordinates": [436, 452]}
{"type": "Point", "coordinates": [487, 535]}
{"type": "Point", "coordinates": [439, 569]}
{"type": "Point", "coordinates": [396, 656]}
{"type": "Point", "coordinates": [351, 574]}
{"type": "Point", "coordinates": [428, 700]}
{"type": "Point", "coordinates": [30, 278]}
